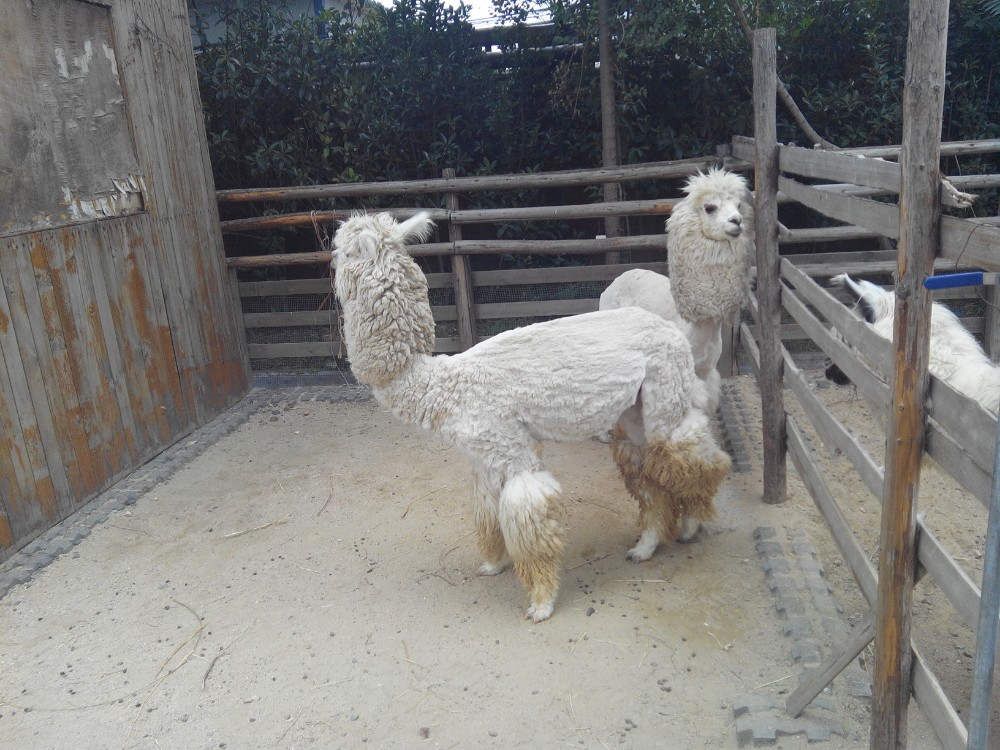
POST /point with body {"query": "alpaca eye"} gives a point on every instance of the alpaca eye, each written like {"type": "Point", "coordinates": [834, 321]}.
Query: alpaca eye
{"type": "Point", "coordinates": [710, 208]}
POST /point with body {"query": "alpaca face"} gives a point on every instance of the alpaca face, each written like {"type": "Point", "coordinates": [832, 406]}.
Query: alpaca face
{"type": "Point", "coordinates": [722, 202]}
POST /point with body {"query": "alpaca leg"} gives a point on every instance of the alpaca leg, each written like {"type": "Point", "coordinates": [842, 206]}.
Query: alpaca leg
{"type": "Point", "coordinates": [655, 522]}
{"type": "Point", "coordinates": [486, 511]}
{"type": "Point", "coordinates": [533, 536]}
{"type": "Point", "coordinates": [692, 467]}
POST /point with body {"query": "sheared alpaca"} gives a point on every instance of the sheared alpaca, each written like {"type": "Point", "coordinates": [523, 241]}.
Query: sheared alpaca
{"type": "Point", "coordinates": [954, 355]}
{"type": "Point", "coordinates": [566, 379]}
{"type": "Point", "coordinates": [710, 244]}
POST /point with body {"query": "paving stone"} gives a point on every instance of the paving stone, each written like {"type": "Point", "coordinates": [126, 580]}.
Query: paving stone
{"type": "Point", "coordinates": [797, 627]}
{"type": "Point", "coordinates": [776, 565]}
{"type": "Point", "coordinates": [807, 652]}
{"type": "Point", "coordinates": [764, 532]}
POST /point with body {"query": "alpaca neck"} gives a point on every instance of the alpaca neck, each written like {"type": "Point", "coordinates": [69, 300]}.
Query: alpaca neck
{"type": "Point", "coordinates": [387, 320]}
{"type": "Point", "coordinates": [415, 396]}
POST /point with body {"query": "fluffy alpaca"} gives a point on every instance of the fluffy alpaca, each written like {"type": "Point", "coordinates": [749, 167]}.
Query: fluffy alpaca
{"type": "Point", "coordinates": [710, 243]}
{"type": "Point", "coordinates": [954, 356]}
{"type": "Point", "coordinates": [566, 379]}
{"type": "Point", "coordinates": [651, 291]}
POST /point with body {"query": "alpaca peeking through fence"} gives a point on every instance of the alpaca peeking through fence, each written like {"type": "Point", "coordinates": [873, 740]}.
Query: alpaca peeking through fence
{"type": "Point", "coordinates": [566, 379]}
{"type": "Point", "coordinates": [710, 245]}
{"type": "Point", "coordinates": [954, 355]}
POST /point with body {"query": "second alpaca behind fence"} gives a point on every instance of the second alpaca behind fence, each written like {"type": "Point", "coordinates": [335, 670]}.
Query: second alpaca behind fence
{"type": "Point", "coordinates": [710, 245]}
{"type": "Point", "coordinates": [566, 379]}
{"type": "Point", "coordinates": [954, 355]}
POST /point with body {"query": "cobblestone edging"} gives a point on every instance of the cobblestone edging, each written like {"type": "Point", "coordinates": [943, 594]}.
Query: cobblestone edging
{"type": "Point", "coordinates": [61, 538]}
{"type": "Point", "coordinates": [811, 616]}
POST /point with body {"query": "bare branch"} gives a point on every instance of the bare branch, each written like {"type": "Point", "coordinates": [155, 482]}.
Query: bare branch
{"type": "Point", "coordinates": [786, 98]}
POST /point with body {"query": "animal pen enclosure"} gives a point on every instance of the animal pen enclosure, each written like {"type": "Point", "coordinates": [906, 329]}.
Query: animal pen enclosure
{"type": "Point", "coordinates": [119, 332]}
{"type": "Point", "coordinates": [838, 186]}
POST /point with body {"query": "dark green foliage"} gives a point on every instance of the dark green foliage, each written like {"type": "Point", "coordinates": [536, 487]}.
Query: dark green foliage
{"type": "Point", "coordinates": [405, 92]}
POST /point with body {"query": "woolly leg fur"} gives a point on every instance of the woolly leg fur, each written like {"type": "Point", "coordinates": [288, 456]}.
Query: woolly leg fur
{"type": "Point", "coordinates": [486, 511]}
{"type": "Point", "coordinates": [674, 478]}
{"type": "Point", "coordinates": [533, 536]}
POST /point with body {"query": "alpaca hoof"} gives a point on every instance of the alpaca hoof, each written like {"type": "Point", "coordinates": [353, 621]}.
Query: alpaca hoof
{"type": "Point", "coordinates": [645, 548]}
{"type": "Point", "coordinates": [537, 613]}
{"type": "Point", "coordinates": [689, 530]}
{"type": "Point", "coordinates": [493, 569]}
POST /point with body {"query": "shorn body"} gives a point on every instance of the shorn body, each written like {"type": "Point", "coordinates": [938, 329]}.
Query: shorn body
{"type": "Point", "coordinates": [567, 379]}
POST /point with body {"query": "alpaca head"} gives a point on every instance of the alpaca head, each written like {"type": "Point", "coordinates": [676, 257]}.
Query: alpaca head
{"type": "Point", "coordinates": [875, 303]}
{"type": "Point", "coordinates": [720, 201]}
{"type": "Point", "coordinates": [375, 238]}
{"type": "Point", "coordinates": [383, 293]}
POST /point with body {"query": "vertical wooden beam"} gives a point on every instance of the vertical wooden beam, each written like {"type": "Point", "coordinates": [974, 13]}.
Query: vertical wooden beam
{"type": "Point", "coordinates": [461, 276]}
{"type": "Point", "coordinates": [609, 122]}
{"type": "Point", "coordinates": [919, 206]}
{"type": "Point", "coordinates": [768, 262]}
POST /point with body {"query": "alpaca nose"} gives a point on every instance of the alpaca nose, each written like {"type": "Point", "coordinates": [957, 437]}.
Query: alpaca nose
{"type": "Point", "coordinates": [736, 219]}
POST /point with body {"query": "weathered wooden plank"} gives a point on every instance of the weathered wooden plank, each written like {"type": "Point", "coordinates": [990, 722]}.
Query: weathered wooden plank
{"type": "Point", "coordinates": [323, 318]}
{"type": "Point", "coordinates": [569, 178]}
{"type": "Point", "coordinates": [68, 412]}
{"type": "Point", "coordinates": [838, 166]}
{"type": "Point", "coordinates": [447, 344]}
{"type": "Point", "coordinates": [742, 147]}
{"type": "Point", "coordinates": [768, 260]}
{"type": "Point", "coordinates": [560, 275]}
{"type": "Point", "coordinates": [477, 247]}
{"type": "Point", "coordinates": [535, 309]}
{"type": "Point", "coordinates": [143, 335]}
{"type": "Point", "coordinates": [461, 276]}
{"type": "Point", "coordinates": [855, 169]}
{"type": "Point", "coordinates": [944, 720]}
{"type": "Point", "coordinates": [19, 502]}
{"type": "Point", "coordinates": [878, 217]}
{"type": "Point", "coordinates": [861, 635]}
{"type": "Point", "coordinates": [854, 553]}
{"type": "Point", "coordinates": [833, 434]}
{"type": "Point", "coordinates": [287, 288]}
{"type": "Point", "coordinates": [100, 417]}
{"type": "Point", "coordinates": [54, 469]}
{"type": "Point", "coordinates": [919, 212]}
{"type": "Point", "coordinates": [825, 234]}
{"type": "Point", "coordinates": [971, 243]}
{"type": "Point", "coordinates": [949, 576]}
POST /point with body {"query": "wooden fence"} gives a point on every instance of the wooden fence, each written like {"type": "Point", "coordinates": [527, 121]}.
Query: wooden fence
{"type": "Point", "coordinates": [960, 434]}
{"type": "Point", "coordinates": [119, 332]}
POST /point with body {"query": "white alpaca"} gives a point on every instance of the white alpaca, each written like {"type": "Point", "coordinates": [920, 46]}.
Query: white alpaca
{"type": "Point", "coordinates": [954, 355]}
{"type": "Point", "coordinates": [710, 244]}
{"type": "Point", "coordinates": [567, 379]}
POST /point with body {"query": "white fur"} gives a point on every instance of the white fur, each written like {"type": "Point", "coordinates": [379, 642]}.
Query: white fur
{"type": "Point", "coordinates": [710, 244]}
{"type": "Point", "coordinates": [954, 356]}
{"type": "Point", "coordinates": [566, 379]}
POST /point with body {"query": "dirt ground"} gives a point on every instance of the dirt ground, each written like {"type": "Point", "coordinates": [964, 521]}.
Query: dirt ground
{"type": "Point", "coordinates": [309, 581]}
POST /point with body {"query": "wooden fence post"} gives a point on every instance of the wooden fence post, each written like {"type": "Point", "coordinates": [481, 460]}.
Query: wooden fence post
{"type": "Point", "coordinates": [768, 263]}
{"type": "Point", "coordinates": [461, 276]}
{"type": "Point", "coordinates": [609, 124]}
{"type": "Point", "coordinates": [919, 231]}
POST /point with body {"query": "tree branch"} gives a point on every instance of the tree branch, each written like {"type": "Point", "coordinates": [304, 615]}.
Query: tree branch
{"type": "Point", "coordinates": [786, 98]}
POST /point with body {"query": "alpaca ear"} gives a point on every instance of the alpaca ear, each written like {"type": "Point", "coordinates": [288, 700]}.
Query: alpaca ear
{"type": "Point", "coordinates": [368, 243]}
{"type": "Point", "coordinates": [417, 227]}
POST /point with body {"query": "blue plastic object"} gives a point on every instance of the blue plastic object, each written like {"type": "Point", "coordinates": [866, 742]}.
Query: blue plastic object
{"type": "Point", "coordinates": [970, 278]}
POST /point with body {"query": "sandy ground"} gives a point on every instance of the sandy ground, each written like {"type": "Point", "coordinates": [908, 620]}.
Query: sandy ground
{"type": "Point", "coordinates": [309, 581]}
